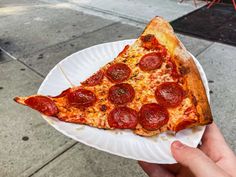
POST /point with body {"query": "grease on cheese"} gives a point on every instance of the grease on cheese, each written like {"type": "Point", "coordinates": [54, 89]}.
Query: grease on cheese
{"type": "Point", "coordinates": [177, 114]}
{"type": "Point", "coordinates": [144, 84]}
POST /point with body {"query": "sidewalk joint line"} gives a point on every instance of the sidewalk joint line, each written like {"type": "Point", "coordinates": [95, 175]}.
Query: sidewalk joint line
{"type": "Point", "coordinates": [205, 49]}
{"type": "Point", "coordinates": [115, 14]}
{"type": "Point", "coordinates": [65, 150]}
{"type": "Point", "coordinates": [32, 69]}
{"type": "Point", "coordinates": [7, 53]}
{"type": "Point", "coordinates": [14, 58]}
{"type": "Point", "coordinates": [62, 42]}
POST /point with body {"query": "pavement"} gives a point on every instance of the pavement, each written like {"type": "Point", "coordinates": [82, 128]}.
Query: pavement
{"type": "Point", "coordinates": [36, 35]}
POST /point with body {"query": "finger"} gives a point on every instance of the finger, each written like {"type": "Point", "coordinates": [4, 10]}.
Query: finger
{"type": "Point", "coordinates": [195, 160]}
{"type": "Point", "coordinates": [217, 149]}
{"type": "Point", "coordinates": [212, 134]}
{"type": "Point", "coordinates": [154, 170]}
{"type": "Point", "coordinates": [213, 143]}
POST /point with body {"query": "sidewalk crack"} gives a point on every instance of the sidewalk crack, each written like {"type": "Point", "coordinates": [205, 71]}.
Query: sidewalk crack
{"type": "Point", "coordinates": [204, 50]}
{"type": "Point", "coordinates": [51, 160]}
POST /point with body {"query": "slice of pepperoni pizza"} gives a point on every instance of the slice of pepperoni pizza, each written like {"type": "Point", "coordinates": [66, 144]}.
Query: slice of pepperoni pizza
{"type": "Point", "coordinates": [152, 86]}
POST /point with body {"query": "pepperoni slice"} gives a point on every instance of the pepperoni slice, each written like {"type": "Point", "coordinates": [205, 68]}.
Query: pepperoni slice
{"type": "Point", "coordinates": [150, 42]}
{"type": "Point", "coordinates": [121, 93]}
{"type": "Point", "coordinates": [81, 98]}
{"type": "Point", "coordinates": [123, 118]}
{"type": "Point", "coordinates": [42, 104]}
{"type": "Point", "coordinates": [173, 69]}
{"type": "Point", "coordinates": [63, 93]}
{"type": "Point", "coordinates": [169, 94]}
{"type": "Point", "coordinates": [150, 61]}
{"type": "Point", "coordinates": [94, 79]}
{"type": "Point", "coordinates": [153, 116]}
{"type": "Point", "coordinates": [118, 72]}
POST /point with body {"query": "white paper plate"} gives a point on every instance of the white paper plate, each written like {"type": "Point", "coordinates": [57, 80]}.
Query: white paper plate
{"type": "Point", "coordinates": [79, 66]}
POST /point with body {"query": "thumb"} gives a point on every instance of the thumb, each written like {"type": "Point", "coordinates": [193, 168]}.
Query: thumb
{"type": "Point", "coordinates": [193, 158]}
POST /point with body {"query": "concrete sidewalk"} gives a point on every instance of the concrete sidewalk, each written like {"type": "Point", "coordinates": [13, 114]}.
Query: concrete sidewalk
{"type": "Point", "coordinates": [36, 35]}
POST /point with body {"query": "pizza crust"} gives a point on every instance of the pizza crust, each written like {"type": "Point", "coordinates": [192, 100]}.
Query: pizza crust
{"type": "Point", "coordinates": [162, 30]}
{"type": "Point", "coordinates": [165, 35]}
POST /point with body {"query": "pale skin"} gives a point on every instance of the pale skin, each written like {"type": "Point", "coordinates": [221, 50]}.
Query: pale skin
{"type": "Point", "coordinates": [213, 158]}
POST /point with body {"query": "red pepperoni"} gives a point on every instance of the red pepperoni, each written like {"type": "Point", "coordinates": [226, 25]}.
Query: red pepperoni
{"type": "Point", "coordinates": [153, 116]}
{"type": "Point", "coordinates": [173, 69]}
{"type": "Point", "coordinates": [42, 104]}
{"type": "Point", "coordinates": [94, 79]}
{"type": "Point", "coordinates": [118, 72]}
{"type": "Point", "coordinates": [81, 98]}
{"type": "Point", "coordinates": [123, 118]}
{"type": "Point", "coordinates": [150, 42]}
{"type": "Point", "coordinates": [169, 94]}
{"type": "Point", "coordinates": [120, 94]}
{"type": "Point", "coordinates": [63, 93]}
{"type": "Point", "coordinates": [151, 61]}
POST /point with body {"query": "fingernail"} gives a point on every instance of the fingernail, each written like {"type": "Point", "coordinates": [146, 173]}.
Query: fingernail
{"type": "Point", "coordinates": [177, 145]}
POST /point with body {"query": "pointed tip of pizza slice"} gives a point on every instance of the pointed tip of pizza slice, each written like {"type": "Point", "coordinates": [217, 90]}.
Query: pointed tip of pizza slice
{"type": "Point", "coordinates": [122, 90]}
{"type": "Point", "coordinates": [186, 66]}
{"type": "Point", "coordinates": [68, 106]}
{"type": "Point", "coordinates": [43, 104]}
{"type": "Point", "coordinates": [20, 100]}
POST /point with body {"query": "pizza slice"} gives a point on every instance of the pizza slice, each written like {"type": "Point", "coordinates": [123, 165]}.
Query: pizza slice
{"type": "Point", "coordinates": [152, 86]}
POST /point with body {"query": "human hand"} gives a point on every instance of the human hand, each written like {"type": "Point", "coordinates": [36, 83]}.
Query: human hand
{"type": "Point", "coordinates": [212, 159]}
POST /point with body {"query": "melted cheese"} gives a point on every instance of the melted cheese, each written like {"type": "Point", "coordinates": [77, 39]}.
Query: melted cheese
{"type": "Point", "coordinates": [144, 84]}
{"type": "Point", "coordinates": [177, 114]}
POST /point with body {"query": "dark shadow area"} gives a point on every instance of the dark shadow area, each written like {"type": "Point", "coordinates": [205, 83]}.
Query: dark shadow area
{"type": "Point", "coordinates": [216, 24]}
{"type": "Point", "coordinates": [1, 56]}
